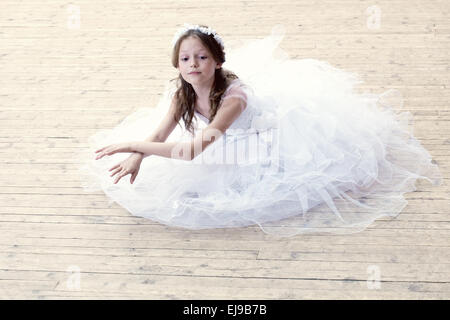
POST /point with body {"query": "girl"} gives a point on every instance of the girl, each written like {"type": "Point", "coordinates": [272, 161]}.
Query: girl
{"type": "Point", "coordinates": [286, 145]}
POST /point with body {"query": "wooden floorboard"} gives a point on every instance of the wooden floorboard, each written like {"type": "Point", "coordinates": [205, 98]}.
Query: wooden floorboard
{"type": "Point", "coordinates": [62, 82]}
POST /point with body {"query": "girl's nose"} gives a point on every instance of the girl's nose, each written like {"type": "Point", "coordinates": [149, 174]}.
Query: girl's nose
{"type": "Point", "coordinates": [194, 62]}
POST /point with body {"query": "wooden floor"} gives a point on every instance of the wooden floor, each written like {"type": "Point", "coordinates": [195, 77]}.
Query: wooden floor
{"type": "Point", "coordinates": [70, 68]}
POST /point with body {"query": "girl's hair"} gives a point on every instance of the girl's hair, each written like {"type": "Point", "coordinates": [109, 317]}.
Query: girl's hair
{"type": "Point", "coordinates": [185, 94]}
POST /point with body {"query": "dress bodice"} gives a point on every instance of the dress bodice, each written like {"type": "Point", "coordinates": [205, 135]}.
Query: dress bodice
{"type": "Point", "coordinates": [242, 122]}
{"type": "Point", "coordinates": [253, 115]}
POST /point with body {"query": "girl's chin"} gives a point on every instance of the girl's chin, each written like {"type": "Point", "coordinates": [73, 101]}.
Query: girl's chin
{"type": "Point", "coordinates": [195, 80]}
{"type": "Point", "coordinates": [194, 77]}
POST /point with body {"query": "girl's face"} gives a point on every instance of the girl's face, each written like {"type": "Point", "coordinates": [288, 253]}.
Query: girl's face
{"type": "Point", "coordinates": [195, 63]}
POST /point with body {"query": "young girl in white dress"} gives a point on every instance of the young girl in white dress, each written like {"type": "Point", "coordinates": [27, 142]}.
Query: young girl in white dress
{"type": "Point", "coordinates": [283, 144]}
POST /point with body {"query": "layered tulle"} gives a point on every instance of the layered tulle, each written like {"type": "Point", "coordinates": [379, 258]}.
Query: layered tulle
{"type": "Point", "coordinates": [327, 159]}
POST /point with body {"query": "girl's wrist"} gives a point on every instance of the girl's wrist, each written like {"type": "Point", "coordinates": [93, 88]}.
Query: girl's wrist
{"type": "Point", "coordinates": [138, 154]}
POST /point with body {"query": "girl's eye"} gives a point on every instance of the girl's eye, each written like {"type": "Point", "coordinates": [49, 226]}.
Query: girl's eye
{"type": "Point", "coordinates": [203, 58]}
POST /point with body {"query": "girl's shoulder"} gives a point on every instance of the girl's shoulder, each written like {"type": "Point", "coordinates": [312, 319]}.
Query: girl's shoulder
{"type": "Point", "coordinates": [230, 78]}
{"type": "Point", "coordinates": [235, 88]}
{"type": "Point", "coordinates": [232, 81]}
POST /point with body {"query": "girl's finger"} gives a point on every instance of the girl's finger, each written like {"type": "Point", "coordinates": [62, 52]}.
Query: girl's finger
{"type": "Point", "coordinates": [109, 152]}
{"type": "Point", "coordinates": [106, 152]}
{"type": "Point", "coordinates": [114, 167]}
{"type": "Point", "coordinates": [133, 177]}
{"type": "Point", "coordinates": [117, 170]}
{"type": "Point", "coordinates": [121, 174]}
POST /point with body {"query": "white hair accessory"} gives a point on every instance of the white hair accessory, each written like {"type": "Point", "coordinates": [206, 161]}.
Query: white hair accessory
{"type": "Point", "coordinates": [187, 27]}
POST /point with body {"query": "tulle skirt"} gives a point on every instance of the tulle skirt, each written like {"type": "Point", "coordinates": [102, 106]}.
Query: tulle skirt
{"type": "Point", "coordinates": [337, 159]}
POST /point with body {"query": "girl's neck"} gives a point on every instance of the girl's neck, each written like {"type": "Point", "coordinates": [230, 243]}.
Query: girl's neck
{"type": "Point", "coordinates": [202, 106]}
{"type": "Point", "coordinates": [203, 90]}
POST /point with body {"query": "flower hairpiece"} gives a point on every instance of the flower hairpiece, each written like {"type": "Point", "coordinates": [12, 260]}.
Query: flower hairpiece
{"type": "Point", "coordinates": [187, 27]}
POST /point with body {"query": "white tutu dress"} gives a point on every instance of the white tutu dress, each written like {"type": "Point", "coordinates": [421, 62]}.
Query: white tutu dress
{"type": "Point", "coordinates": [307, 154]}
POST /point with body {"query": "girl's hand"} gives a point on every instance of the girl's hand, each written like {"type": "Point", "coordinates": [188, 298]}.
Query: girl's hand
{"type": "Point", "coordinates": [130, 165]}
{"type": "Point", "coordinates": [114, 148]}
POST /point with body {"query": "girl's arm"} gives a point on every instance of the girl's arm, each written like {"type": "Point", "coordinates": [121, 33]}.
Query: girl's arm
{"type": "Point", "coordinates": [229, 111]}
{"type": "Point", "coordinates": [165, 128]}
